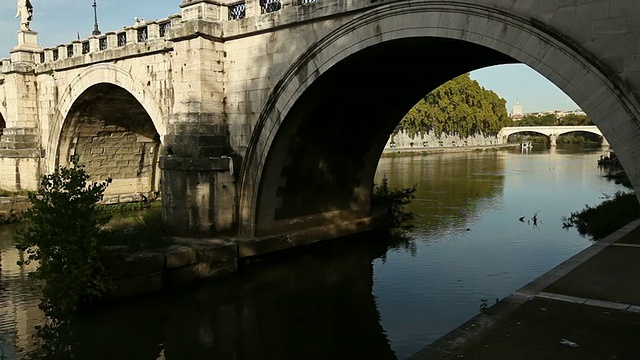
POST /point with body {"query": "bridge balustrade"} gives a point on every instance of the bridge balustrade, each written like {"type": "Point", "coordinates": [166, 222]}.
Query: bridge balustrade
{"type": "Point", "coordinates": [122, 39]}
{"type": "Point", "coordinates": [102, 44]}
{"type": "Point", "coordinates": [143, 34]}
{"type": "Point", "coordinates": [238, 11]}
{"type": "Point", "coordinates": [110, 40]}
{"type": "Point", "coordinates": [163, 27]}
{"type": "Point", "coordinates": [268, 6]}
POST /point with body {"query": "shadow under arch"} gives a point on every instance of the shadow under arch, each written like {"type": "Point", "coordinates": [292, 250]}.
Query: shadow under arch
{"type": "Point", "coordinates": [110, 133]}
{"type": "Point", "coordinates": [3, 123]}
{"type": "Point", "coordinates": [470, 26]}
{"type": "Point", "coordinates": [94, 75]}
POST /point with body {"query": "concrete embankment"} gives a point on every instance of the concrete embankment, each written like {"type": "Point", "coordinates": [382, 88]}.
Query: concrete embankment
{"type": "Point", "coordinates": [588, 307]}
{"type": "Point", "coordinates": [408, 151]}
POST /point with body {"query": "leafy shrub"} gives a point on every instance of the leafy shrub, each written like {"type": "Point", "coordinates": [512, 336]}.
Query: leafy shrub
{"type": "Point", "coordinates": [140, 231]}
{"type": "Point", "coordinates": [63, 235]}
{"type": "Point", "coordinates": [394, 201]}
{"type": "Point", "coordinates": [600, 221]}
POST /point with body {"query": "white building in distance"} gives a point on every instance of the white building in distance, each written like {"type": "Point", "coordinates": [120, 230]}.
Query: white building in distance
{"type": "Point", "coordinates": [517, 113]}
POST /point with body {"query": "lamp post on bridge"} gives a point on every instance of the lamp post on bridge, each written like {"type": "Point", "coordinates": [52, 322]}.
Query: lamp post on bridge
{"type": "Point", "coordinates": [95, 31]}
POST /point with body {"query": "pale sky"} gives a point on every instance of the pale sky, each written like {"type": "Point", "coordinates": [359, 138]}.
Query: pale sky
{"type": "Point", "coordinates": [59, 21]}
{"type": "Point", "coordinates": [519, 82]}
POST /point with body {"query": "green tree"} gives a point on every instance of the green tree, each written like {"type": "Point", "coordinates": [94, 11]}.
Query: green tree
{"type": "Point", "coordinates": [62, 234]}
{"type": "Point", "coordinates": [533, 120]}
{"type": "Point", "coordinates": [459, 107]}
{"type": "Point", "coordinates": [575, 120]}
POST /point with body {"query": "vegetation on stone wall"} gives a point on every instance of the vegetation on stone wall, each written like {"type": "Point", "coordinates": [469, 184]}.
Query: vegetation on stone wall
{"type": "Point", "coordinates": [459, 107]}
{"type": "Point", "coordinates": [575, 120]}
{"type": "Point", "coordinates": [62, 233]}
{"type": "Point", "coordinates": [552, 120]}
{"type": "Point", "coordinates": [533, 120]}
{"type": "Point", "coordinates": [8, 217]}
{"type": "Point", "coordinates": [613, 213]}
{"type": "Point", "coordinates": [601, 220]}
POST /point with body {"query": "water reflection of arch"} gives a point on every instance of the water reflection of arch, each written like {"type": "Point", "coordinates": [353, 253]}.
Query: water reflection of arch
{"type": "Point", "coordinates": [317, 305]}
{"type": "Point", "coordinates": [270, 193]}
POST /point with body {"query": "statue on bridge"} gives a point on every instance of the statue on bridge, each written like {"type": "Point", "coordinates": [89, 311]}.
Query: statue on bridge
{"type": "Point", "coordinates": [25, 13]}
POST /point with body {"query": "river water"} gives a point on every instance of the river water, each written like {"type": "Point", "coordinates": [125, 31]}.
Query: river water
{"type": "Point", "coordinates": [365, 298]}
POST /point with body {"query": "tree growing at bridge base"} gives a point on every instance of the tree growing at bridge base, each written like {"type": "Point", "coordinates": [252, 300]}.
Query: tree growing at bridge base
{"type": "Point", "coordinates": [62, 234]}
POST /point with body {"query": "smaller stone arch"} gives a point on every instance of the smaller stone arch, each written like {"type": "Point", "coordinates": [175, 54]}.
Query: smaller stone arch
{"type": "Point", "coordinates": [110, 133]}
{"type": "Point", "coordinates": [586, 129]}
{"type": "Point", "coordinates": [94, 75]}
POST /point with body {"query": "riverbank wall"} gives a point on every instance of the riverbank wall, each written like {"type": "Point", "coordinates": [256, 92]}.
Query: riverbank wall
{"type": "Point", "coordinates": [11, 207]}
{"type": "Point", "coordinates": [191, 260]}
{"type": "Point", "coordinates": [402, 140]}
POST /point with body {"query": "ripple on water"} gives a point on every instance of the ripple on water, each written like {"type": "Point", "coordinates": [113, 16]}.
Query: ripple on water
{"type": "Point", "coordinates": [19, 299]}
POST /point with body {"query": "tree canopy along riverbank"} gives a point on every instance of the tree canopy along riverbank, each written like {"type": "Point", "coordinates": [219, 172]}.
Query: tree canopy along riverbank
{"type": "Point", "coordinates": [458, 107]}
{"type": "Point", "coordinates": [553, 120]}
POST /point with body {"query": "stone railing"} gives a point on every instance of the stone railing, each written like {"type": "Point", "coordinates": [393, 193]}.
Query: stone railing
{"type": "Point", "coordinates": [244, 16]}
{"type": "Point", "coordinates": [141, 33]}
{"type": "Point", "coordinates": [5, 65]}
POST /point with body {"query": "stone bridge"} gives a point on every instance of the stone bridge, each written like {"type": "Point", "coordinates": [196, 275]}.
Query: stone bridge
{"type": "Point", "coordinates": [552, 132]}
{"type": "Point", "coordinates": [266, 119]}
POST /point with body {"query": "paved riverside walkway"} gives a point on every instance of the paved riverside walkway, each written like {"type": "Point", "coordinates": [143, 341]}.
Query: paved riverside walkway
{"type": "Point", "coordinates": [588, 307]}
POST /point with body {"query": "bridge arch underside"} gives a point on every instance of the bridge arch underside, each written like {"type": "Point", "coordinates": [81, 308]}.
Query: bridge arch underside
{"type": "Point", "coordinates": [291, 178]}
{"type": "Point", "coordinates": [321, 163]}
{"type": "Point", "coordinates": [109, 132]}
{"type": "Point", "coordinates": [3, 124]}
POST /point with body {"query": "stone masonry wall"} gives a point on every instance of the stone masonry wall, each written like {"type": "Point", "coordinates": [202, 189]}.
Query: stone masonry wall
{"type": "Point", "coordinates": [18, 174]}
{"type": "Point", "coordinates": [114, 152]}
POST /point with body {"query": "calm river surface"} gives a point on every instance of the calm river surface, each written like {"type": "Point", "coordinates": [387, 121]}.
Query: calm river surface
{"type": "Point", "coordinates": [358, 299]}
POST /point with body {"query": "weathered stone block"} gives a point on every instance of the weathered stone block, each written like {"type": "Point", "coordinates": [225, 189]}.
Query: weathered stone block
{"type": "Point", "coordinates": [138, 263]}
{"type": "Point", "coordinates": [178, 256]}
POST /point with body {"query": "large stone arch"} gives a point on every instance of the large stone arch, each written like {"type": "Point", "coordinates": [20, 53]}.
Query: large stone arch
{"type": "Point", "coordinates": [574, 70]}
{"type": "Point", "coordinates": [94, 75]}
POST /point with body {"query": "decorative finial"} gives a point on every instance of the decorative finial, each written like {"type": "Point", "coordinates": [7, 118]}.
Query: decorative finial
{"type": "Point", "coordinates": [95, 31]}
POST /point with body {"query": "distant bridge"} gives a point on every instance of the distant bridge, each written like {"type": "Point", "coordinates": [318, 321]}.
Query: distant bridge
{"type": "Point", "coordinates": [550, 131]}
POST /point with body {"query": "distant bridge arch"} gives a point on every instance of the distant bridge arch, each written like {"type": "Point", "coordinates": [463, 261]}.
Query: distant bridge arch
{"type": "Point", "coordinates": [550, 131]}
{"type": "Point", "coordinates": [601, 94]}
